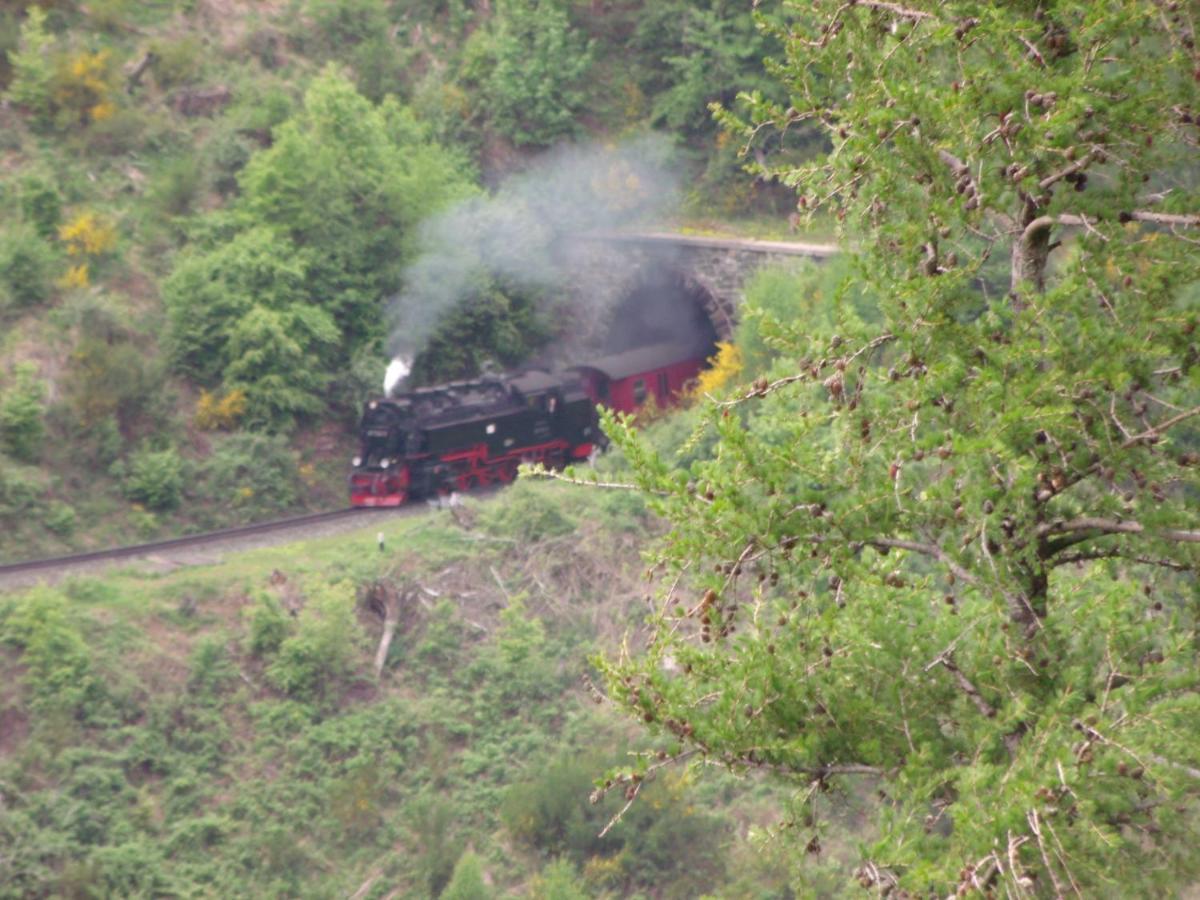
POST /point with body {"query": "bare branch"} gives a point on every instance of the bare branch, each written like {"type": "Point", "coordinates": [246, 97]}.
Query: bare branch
{"type": "Point", "coordinates": [897, 10]}
{"type": "Point", "coordinates": [1115, 526]}
{"type": "Point", "coordinates": [968, 687]}
{"type": "Point", "coordinates": [1115, 553]}
{"type": "Point", "coordinates": [1152, 434]}
{"type": "Point", "coordinates": [1164, 218]}
{"type": "Point", "coordinates": [1054, 177]}
{"type": "Point", "coordinates": [539, 471]}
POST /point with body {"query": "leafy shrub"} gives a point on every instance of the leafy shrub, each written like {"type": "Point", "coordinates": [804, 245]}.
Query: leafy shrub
{"type": "Point", "coordinates": [215, 412]}
{"type": "Point", "coordinates": [255, 474]}
{"type": "Point", "coordinates": [60, 518]}
{"type": "Point", "coordinates": [41, 204]}
{"type": "Point", "coordinates": [58, 664]}
{"type": "Point", "coordinates": [84, 88]}
{"type": "Point", "coordinates": [320, 652]}
{"type": "Point", "coordinates": [723, 368]}
{"type": "Point", "coordinates": [88, 236]}
{"type": "Point", "coordinates": [177, 187]}
{"type": "Point", "coordinates": [21, 412]}
{"type": "Point", "coordinates": [27, 265]}
{"type": "Point", "coordinates": [662, 839]}
{"type": "Point", "coordinates": [529, 511]}
{"type": "Point", "coordinates": [467, 881]}
{"type": "Point", "coordinates": [154, 478]}
{"type": "Point", "coordinates": [177, 62]}
{"type": "Point", "coordinates": [210, 666]}
{"type": "Point", "coordinates": [558, 881]}
{"type": "Point", "coordinates": [20, 487]}
{"type": "Point", "coordinates": [32, 69]}
{"type": "Point", "coordinates": [109, 376]}
{"type": "Point", "coordinates": [535, 89]}
{"type": "Point", "coordinates": [268, 626]}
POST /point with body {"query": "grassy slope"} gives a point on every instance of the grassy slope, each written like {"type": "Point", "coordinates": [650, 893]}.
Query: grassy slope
{"type": "Point", "coordinates": [158, 738]}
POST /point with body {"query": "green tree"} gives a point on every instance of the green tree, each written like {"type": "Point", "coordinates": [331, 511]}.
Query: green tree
{"type": "Point", "coordinates": [347, 182]}
{"type": "Point", "coordinates": [22, 428]}
{"type": "Point", "coordinates": [210, 291]}
{"type": "Point", "coordinates": [27, 264]}
{"type": "Point", "coordinates": [494, 325]}
{"type": "Point", "coordinates": [538, 63]}
{"type": "Point", "coordinates": [32, 67]}
{"type": "Point", "coordinates": [154, 478]}
{"type": "Point", "coordinates": [952, 550]}
{"type": "Point", "coordinates": [467, 881]}
{"type": "Point", "coordinates": [274, 357]}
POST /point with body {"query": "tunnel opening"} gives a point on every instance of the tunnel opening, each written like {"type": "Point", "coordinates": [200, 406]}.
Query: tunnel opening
{"type": "Point", "coordinates": [664, 307]}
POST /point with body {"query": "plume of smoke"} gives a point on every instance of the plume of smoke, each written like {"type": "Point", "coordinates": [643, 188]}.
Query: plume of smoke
{"type": "Point", "coordinates": [516, 232]}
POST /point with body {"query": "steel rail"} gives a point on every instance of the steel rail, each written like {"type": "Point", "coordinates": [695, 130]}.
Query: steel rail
{"type": "Point", "coordinates": [134, 550]}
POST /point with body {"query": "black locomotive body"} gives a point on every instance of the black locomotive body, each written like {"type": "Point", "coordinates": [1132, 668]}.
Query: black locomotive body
{"type": "Point", "coordinates": [456, 436]}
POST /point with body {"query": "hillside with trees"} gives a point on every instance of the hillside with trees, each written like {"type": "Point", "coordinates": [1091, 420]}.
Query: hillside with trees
{"type": "Point", "coordinates": [205, 208]}
{"type": "Point", "coordinates": [904, 603]}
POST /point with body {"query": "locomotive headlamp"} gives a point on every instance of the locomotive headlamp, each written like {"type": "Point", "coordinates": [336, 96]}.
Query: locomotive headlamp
{"type": "Point", "coordinates": [385, 463]}
{"type": "Point", "coordinates": [356, 462]}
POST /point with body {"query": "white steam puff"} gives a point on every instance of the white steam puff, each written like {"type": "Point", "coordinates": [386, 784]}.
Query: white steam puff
{"type": "Point", "coordinates": [513, 234]}
{"type": "Point", "coordinates": [397, 371]}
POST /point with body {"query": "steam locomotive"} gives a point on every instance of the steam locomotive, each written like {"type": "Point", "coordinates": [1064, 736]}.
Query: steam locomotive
{"type": "Point", "coordinates": [452, 437]}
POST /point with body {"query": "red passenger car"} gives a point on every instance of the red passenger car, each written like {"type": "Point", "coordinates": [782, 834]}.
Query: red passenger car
{"type": "Point", "coordinates": [625, 381]}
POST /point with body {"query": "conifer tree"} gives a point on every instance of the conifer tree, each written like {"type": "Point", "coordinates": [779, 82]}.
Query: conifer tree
{"type": "Point", "coordinates": [948, 549]}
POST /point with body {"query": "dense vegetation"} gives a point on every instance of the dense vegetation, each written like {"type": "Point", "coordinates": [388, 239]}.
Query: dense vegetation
{"type": "Point", "coordinates": [205, 206]}
{"type": "Point", "coordinates": [930, 547]}
{"type": "Point", "coordinates": [220, 731]}
{"type": "Point", "coordinates": [945, 547]}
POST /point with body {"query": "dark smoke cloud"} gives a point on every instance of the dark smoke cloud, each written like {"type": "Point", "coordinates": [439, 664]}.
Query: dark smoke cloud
{"type": "Point", "coordinates": [515, 234]}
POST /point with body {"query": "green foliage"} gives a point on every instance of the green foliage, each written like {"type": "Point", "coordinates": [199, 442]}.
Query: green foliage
{"type": "Point", "coordinates": [467, 881]}
{"type": "Point", "coordinates": [534, 89]}
{"type": "Point", "coordinates": [710, 50]}
{"type": "Point", "coordinates": [27, 267]}
{"type": "Point", "coordinates": [951, 546]}
{"type": "Point", "coordinates": [558, 881]}
{"type": "Point", "coordinates": [154, 478]}
{"type": "Point", "coordinates": [254, 474]}
{"type": "Point", "coordinates": [495, 326]}
{"type": "Point", "coordinates": [41, 204]}
{"type": "Point", "coordinates": [661, 837]}
{"type": "Point", "coordinates": [210, 291]}
{"type": "Point", "coordinates": [359, 33]}
{"type": "Point", "coordinates": [318, 655]}
{"type": "Point", "coordinates": [32, 67]}
{"type": "Point", "coordinates": [531, 511]}
{"type": "Point", "coordinates": [20, 489]}
{"type": "Point", "coordinates": [22, 428]}
{"type": "Point", "coordinates": [177, 189]}
{"type": "Point", "coordinates": [58, 674]}
{"type": "Point", "coordinates": [60, 518]}
{"type": "Point", "coordinates": [292, 290]}
{"type": "Point", "coordinates": [272, 356]}
{"type": "Point", "coordinates": [211, 668]}
{"type": "Point", "coordinates": [348, 181]}
{"type": "Point", "coordinates": [268, 626]}
{"type": "Point", "coordinates": [782, 304]}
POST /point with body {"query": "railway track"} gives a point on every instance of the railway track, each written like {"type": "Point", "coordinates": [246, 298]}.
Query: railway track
{"type": "Point", "coordinates": [237, 534]}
